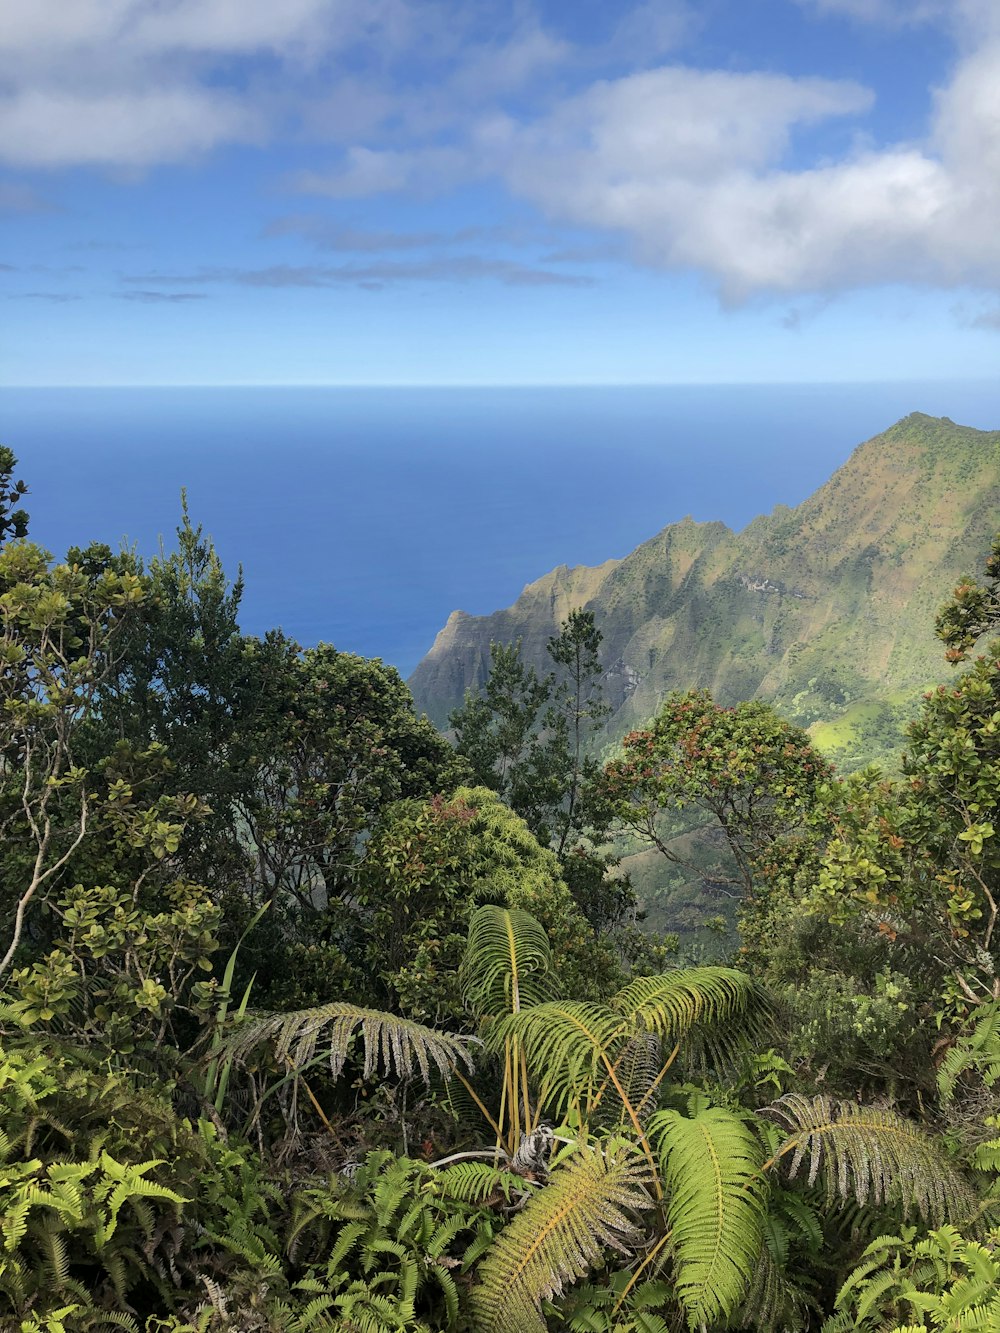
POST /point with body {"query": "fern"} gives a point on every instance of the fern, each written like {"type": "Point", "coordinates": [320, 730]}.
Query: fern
{"type": "Point", "coordinates": [978, 1050]}
{"type": "Point", "coordinates": [590, 1206]}
{"type": "Point", "coordinates": [720, 1004]}
{"type": "Point", "coordinates": [711, 1166]}
{"type": "Point", "coordinates": [477, 1182]}
{"type": "Point", "coordinates": [570, 1047]}
{"type": "Point", "coordinates": [507, 964]}
{"type": "Point", "coordinates": [868, 1155]}
{"type": "Point", "coordinates": [953, 1280]}
{"type": "Point", "coordinates": [397, 1045]}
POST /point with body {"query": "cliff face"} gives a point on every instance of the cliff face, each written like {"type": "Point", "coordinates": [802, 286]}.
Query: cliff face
{"type": "Point", "coordinates": [826, 609]}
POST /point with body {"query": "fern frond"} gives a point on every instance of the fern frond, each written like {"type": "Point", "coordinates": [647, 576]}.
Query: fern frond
{"type": "Point", "coordinates": [474, 1182]}
{"type": "Point", "coordinates": [397, 1045]}
{"type": "Point", "coordinates": [507, 964]}
{"type": "Point", "coordinates": [589, 1206]}
{"type": "Point", "coordinates": [867, 1154]}
{"type": "Point", "coordinates": [711, 1167]}
{"type": "Point", "coordinates": [569, 1047]}
{"type": "Point", "coordinates": [979, 1050]}
{"type": "Point", "coordinates": [721, 1004]}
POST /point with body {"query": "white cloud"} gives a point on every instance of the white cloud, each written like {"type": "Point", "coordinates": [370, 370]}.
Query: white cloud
{"type": "Point", "coordinates": [692, 167]}
{"type": "Point", "coordinates": [130, 83]}
{"type": "Point", "coordinates": [125, 129]}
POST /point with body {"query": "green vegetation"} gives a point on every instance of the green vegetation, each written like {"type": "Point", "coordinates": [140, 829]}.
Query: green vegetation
{"type": "Point", "coordinates": [313, 1020]}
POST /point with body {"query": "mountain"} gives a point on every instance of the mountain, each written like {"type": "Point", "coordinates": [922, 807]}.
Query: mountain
{"type": "Point", "coordinates": [826, 609]}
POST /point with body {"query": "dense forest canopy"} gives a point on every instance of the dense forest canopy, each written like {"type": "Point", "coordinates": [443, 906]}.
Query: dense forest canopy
{"type": "Point", "coordinates": [314, 1017]}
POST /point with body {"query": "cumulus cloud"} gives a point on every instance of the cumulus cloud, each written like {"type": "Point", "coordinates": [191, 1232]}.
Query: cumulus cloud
{"type": "Point", "coordinates": [134, 82]}
{"type": "Point", "coordinates": [49, 128]}
{"type": "Point", "coordinates": [691, 167]}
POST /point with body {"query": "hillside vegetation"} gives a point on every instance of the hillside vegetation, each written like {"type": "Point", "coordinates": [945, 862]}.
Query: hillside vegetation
{"type": "Point", "coordinates": [314, 1021]}
{"type": "Point", "coordinates": [826, 609]}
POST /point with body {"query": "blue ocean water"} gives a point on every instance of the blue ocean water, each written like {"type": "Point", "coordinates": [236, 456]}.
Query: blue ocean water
{"type": "Point", "coordinates": [362, 517]}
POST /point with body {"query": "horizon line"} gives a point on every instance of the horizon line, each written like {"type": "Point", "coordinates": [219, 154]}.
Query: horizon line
{"type": "Point", "coordinates": [507, 384]}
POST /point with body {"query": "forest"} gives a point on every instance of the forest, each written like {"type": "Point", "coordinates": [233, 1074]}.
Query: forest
{"type": "Point", "coordinates": [313, 1017]}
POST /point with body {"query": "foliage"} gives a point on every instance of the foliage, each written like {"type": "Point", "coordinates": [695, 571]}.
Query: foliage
{"type": "Point", "coordinates": [756, 775]}
{"type": "Point", "coordinates": [59, 632]}
{"type": "Point", "coordinates": [711, 1167]}
{"type": "Point", "coordinates": [13, 522]}
{"type": "Point", "coordinates": [560, 1236]}
{"type": "Point", "coordinates": [386, 1249]}
{"type": "Point", "coordinates": [868, 1154]}
{"type": "Point", "coordinates": [942, 1282]}
{"type": "Point", "coordinates": [194, 819]}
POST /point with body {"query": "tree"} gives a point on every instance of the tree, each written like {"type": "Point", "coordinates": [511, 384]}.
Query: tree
{"type": "Point", "coordinates": [918, 861]}
{"type": "Point", "coordinates": [579, 700]}
{"type": "Point", "coordinates": [60, 629]}
{"type": "Point", "coordinates": [506, 737]}
{"type": "Point", "coordinates": [13, 522]}
{"type": "Point", "coordinates": [754, 774]}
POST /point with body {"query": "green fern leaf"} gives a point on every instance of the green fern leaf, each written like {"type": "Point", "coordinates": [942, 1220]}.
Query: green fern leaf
{"type": "Point", "coordinates": [589, 1206]}
{"type": "Point", "coordinates": [569, 1047]}
{"type": "Point", "coordinates": [711, 1166]}
{"type": "Point", "coordinates": [696, 999]}
{"type": "Point", "coordinates": [398, 1045]}
{"type": "Point", "coordinates": [869, 1155]}
{"type": "Point", "coordinates": [507, 964]}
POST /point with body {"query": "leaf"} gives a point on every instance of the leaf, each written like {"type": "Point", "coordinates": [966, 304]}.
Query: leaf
{"type": "Point", "coordinates": [507, 963]}
{"type": "Point", "coordinates": [589, 1207]}
{"type": "Point", "coordinates": [398, 1045]}
{"type": "Point", "coordinates": [711, 1167]}
{"type": "Point", "coordinates": [869, 1155]}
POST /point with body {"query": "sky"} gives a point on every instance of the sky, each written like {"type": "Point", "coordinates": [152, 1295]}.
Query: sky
{"type": "Point", "coordinates": [498, 191]}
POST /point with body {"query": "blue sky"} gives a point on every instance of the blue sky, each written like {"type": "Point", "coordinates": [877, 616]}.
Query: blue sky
{"type": "Point", "coordinates": [564, 191]}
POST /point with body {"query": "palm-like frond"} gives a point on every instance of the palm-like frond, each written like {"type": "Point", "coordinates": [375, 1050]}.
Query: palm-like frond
{"type": "Point", "coordinates": [589, 1207]}
{"type": "Point", "coordinates": [298, 1039]}
{"type": "Point", "coordinates": [868, 1154]}
{"type": "Point", "coordinates": [711, 1166]}
{"type": "Point", "coordinates": [507, 963]}
{"type": "Point", "coordinates": [569, 1047]}
{"type": "Point", "coordinates": [696, 998]}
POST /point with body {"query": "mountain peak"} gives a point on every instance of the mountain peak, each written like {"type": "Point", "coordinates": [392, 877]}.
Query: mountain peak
{"type": "Point", "coordinates": [826, 609]}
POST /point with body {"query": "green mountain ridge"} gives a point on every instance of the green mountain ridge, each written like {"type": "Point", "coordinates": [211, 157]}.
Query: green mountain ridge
{"type": "Point", "coordinates": [825, 609]}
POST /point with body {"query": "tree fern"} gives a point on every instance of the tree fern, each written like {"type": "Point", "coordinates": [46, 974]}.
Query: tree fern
{"type": "Point", "coordinates": [720, 1003]}
{"type": "Point", "coordinates": [397, 1045]}
{"type": "Point", "coordinates": [711, 1168]}
{"type": "Point", "coordinates": [590, 1206]}
{"type": "Point", "coordinates": [570, 1048]}
{"type": "Point", "coordinates": [507, 963]}
{"type": "Point", "coordinates": [867, 1154]}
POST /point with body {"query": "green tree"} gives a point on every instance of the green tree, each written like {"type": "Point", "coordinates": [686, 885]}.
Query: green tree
{"type": "Point", "coordinates": [13, 521]}
{"type": "Point", "coordinates": [580, 709]}
{"type": "Point", "coordinates": [60, 630]}
{"type": "Point", "coordinates": [504, 735]}
{"type": "Point", "coordinates": [527, 736]}
{"type": "Point", "coordinates": [752, 773]}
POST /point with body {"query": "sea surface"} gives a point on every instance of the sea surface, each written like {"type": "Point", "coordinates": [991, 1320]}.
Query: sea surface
{"type": "Point", "coordinates": [362, 517]}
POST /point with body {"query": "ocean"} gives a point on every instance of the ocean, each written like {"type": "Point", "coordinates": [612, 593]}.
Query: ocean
{"type": "Point", "coordinates": [362, 517]}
